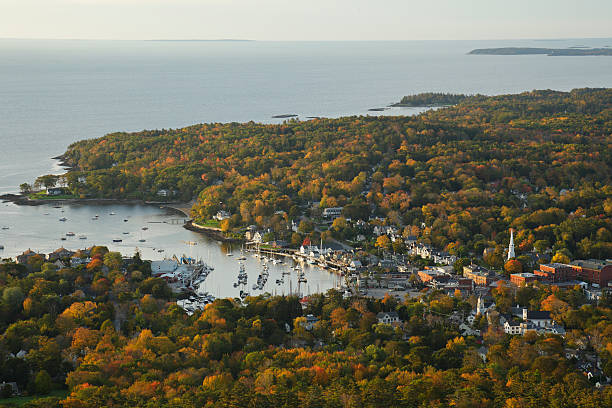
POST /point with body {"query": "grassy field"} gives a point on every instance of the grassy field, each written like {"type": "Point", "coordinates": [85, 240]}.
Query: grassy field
{"type": "Point", "coordinates": [20, 401]}
{"type": "Point", "coordinates": [42, 195]}
{"type": "Point", "coordinates": [209, 223]}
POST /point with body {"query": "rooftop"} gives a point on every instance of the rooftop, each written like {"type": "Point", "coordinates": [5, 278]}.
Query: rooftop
{"type": "Point", "coordinates": [591, 263]}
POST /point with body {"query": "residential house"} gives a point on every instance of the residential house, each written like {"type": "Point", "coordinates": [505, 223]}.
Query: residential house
{"type": "Point", "coordinates": [25, 256]}
{"type": "Point", "coordinates": [56, 191]}
{"type": "Point", "coordinates": [222, 215]}
{"type": "Point", "coordinates": [60, 253]}
{"type": "Point", "coordinates": [388, 317]}
{"type": "Point", "coordinates": [310, 322]}
{"type": "Point", "coordinates": [332, 212]}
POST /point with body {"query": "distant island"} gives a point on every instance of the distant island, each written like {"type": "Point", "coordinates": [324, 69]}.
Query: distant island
{"type": "Point", "coordinates": [285, 115]}
{"type": "Point", "coordinates": [430, 99]}
{"type": "Point", "coordinates": [551, 52]}
{"type": "Point", "coordinates": [200, 40]}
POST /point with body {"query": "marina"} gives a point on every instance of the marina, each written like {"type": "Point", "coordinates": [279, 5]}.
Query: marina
{"type": "Point", "coordinates": [155, 233]}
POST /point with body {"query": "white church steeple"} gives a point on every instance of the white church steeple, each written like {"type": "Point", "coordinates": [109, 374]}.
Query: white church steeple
{"type": "Point", "coordinates": [511, 246]}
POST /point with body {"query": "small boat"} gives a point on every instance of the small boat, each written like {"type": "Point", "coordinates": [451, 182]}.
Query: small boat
{"type": "Point", "coordinates": [117, 240]}
{"type": "Point", "coordinates": [95, 217]}
{"type": "Point", "coordinates": [63, 238]}
{"type": "Point", "coordinates": [5, 228]}
{"type": "Point", "coordinates": [125, 220]}
{"type": "Point", "coordinates": [1, 246]}
{"type": "Point", "coordinates": [142, 240]}
{"type": "Point", "coordinates": [229, 254]}
{"type": "Point", "coordinates": [241, 258]}
{"type": "Point", "coordinates": [63, 219]}
{"type": "Point", "coordinates": [160, 250]}
{"type": "Point", "coordinates": [70, 234]}
{"type": "Point", "coordinates": [46, 214]}
{"type": "Point", "coordinates": [145, 228]}
{"type": "Point", "coordinates": [112, 213]}
{"type": "Point", "coordinates": [57, 206]}
{"type": "Point", "coordinates": [126, 233]}
{"type": "Point", "coordinates": [82, 237]}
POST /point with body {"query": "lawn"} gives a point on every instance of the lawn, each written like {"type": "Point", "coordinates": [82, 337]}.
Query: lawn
{"type": "Point", "coordinates": [209, 223]}
{"type": "Point", "coordinates": [41, 195]}
{"type": "Point", "coordinates": [20, 401]}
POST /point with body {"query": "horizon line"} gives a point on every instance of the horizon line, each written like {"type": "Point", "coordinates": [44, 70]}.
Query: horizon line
{"type": "Point", "coordinates": [319, 40]}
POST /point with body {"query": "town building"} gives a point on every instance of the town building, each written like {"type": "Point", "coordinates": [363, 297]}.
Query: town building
{"type": "Point", "coordinates": [522, 279]}
{"type": "Point", "coordinates": [594, 271]}
{"type": "Point", "coordinates": [481, 276]}
{"type": "Point", "coordinates": [555, 272]}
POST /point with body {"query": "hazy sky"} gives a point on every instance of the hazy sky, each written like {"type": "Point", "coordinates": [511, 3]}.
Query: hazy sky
{"type": "Point", "coordinates": [305, 19]}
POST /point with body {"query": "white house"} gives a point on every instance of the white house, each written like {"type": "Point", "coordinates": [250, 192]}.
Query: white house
{"type": "Point", "coordinates": [388, 317]}
{"type": "Point", "coordinates": [332, 212]}
{"type": "Point", "coordinates": [540, 319]}
{"type": "Point", "coordinates": [222, 215]}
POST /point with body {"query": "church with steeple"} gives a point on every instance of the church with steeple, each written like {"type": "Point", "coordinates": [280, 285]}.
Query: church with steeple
{"type": "Point", "coordinates": [511, 253]}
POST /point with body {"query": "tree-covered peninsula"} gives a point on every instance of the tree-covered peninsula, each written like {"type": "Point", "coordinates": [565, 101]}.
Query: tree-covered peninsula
{"type": "Point", "coordinates": [458, 178]}
{"type": "Point", "coordinates": [431, 99]}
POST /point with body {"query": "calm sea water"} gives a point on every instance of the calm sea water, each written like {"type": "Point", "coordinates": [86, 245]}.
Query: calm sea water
{"type": "Point", "coordinates": [53, 93]}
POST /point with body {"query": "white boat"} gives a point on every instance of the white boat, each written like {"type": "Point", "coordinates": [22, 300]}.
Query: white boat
{"type": "Point", "coordinates": [241, 258]}
{"type": "Point", "coordinates": [70, 234]}
{"type": "Point", "coordinates": [112, 213]}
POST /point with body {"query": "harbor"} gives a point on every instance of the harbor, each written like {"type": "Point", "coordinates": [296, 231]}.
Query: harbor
{"type": "Point", "coordinates": [156, 235]}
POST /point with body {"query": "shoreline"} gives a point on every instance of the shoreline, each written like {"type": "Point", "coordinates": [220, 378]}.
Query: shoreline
{"type": "Point", "coordinates": [19, 199]}
{"type": "Point", "coordinates": [177, 207]}
{"type": "Point", "coordinates": [214, 233]}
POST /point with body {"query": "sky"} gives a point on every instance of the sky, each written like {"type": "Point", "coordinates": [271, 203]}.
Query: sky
{"type": "Point", "coordinates": [304, 20]}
